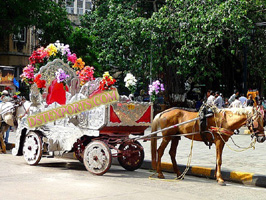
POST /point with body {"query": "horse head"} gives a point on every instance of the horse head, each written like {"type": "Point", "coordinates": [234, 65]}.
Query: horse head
{"type": "Point", "coordinates": [23, 107]}
{"type": "Point", "coordinates": [255, 125]}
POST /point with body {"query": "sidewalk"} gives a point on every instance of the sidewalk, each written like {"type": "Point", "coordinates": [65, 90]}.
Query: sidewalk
{"type": "Point", "coordinates": [247, 167]}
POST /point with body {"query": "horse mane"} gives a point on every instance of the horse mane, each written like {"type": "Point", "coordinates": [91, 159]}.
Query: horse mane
{"type": "Point", "coordinates": [240, 111]}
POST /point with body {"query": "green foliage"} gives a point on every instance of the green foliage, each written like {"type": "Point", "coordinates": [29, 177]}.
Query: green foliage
{"type": "Point", "coordinates": [80, 42]}
{"type": "Point", "coordinates": [47, 16]}
{"type": "Point", "coordinates": [203, 40]}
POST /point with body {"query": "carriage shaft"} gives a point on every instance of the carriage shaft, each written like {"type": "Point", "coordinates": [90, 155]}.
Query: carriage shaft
{"type": "Point", "coordinates": [170, 127]}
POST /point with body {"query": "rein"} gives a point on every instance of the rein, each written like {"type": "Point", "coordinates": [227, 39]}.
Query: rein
{"type": "Point", "coordinates": [229, 133]}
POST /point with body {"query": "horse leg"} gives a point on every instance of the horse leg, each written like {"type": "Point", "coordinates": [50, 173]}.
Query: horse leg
{"type": "Point", "coordinates": [172, 152]}
{"type": "Point", "coordinates": [160, 154]}
{"type": "Point", "coordinates": [219, 150]}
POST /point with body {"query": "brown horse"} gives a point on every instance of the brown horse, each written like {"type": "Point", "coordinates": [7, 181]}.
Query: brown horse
{"type": "Point", "coordinates": [225, 120]}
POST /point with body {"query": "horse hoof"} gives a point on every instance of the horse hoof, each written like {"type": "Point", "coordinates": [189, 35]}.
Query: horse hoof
{"type": "Point", "coordinates": [161, 176]}
{"type": "Point", "coordinates": [221, 183]}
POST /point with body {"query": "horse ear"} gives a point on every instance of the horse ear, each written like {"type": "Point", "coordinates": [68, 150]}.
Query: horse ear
{"type": "Point", "coordinates": [255, 124]}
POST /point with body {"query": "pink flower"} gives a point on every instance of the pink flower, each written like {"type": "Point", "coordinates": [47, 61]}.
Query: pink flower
{"type": "Point", "coordinates": [72, 58]}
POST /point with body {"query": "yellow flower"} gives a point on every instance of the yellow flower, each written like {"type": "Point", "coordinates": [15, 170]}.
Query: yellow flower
{"type": "Point", "coordinates": [51, 49]}
{"type": "Point", "coordinates": [106, 74]}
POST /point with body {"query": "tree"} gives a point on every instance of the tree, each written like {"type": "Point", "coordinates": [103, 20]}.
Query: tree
{"type": "Point", "coordinates": [47, 16]}
{"type": "Point", "coordinates": [122, 47]}
{"type": "Point", "coordinates": [80, 42]}
{"type": "Point", "coordinates": [198, 40]}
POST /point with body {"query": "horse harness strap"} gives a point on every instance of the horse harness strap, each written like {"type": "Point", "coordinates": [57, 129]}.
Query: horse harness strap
{"type": "Point", "coordinates": [223, 131]}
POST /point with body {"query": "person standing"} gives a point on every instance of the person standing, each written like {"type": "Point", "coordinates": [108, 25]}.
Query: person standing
{"type": "Point", "coordinates": [233, 97]}
{"type": "Point", "coordinates": [211, 98]}
{"type": "Point", "coordinates": [218, 100]}
{"type": "Point", "coordinates": [243, 100]}
{"type": "Point", "coordinates": [6, 98]}
{"type": "Point", "coordinates": [250, 101]}
{"type": "Point", "coordinates": [236, 103]}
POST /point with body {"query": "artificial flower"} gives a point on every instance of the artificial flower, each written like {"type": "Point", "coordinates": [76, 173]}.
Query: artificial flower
{"type": "Point", "coordinates": [107, 82]}
{"type": "Point", "coordinates": [79, 64]}
{"type": "Point", "coordinates": [86, 74]}
{"type": "Point", "coordinates": [40, 83]}
{"type": "Point", "coordinates": [155, 88]}
{"type": "Point", "coordinates": [28, 75]}
{"type": "Point", "coordinates": [61, 76]}
{"type": "Point", "coordinates": [51, 49]}
{"type": "Point", "coordinates": [38, 56]}
{"type": "Point", "coordinates": [131, 82]}
{"type": "Point", "coordinates": [72, 58]}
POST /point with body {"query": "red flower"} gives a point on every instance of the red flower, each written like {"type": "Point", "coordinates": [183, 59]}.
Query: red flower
{"type": "Point", "coordinates": [40, 83]}
{"type": "Point", "coordinates": [38, 56]}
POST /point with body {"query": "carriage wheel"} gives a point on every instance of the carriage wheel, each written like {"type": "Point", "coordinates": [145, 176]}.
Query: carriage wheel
{"type": "Point", "coordinates": [97, 157]}
{"type": "Point", "coordinates": [132, 155]}
{"type": "Point", "coordinates": [32, 148]}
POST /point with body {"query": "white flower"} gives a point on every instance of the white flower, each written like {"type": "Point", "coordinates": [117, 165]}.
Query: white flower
{"type": "Point", "coordinates": [130, 80]}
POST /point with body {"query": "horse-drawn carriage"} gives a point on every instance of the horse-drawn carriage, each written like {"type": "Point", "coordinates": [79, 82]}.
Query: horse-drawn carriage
{"type": "Point", "coordinates": [95, 136]}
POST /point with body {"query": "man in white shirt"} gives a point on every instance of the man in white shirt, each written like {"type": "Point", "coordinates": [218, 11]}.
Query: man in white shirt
{"type": "Point", "coordinates": [218, 101]}
{"type": "Point", "coordinates": [211, 98]}
{"type": "Point", "coordinates": [236, 103]}
{"type": "Point", "coordinates": [233, 97]}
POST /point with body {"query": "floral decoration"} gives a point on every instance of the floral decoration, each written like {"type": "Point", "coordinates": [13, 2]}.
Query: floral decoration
{"type": "Point", "coordinates": [107, 82]}
{"type": "Point", "coordinates": [51, 49]}
{"type": "Point", "coordinates": [154, 89]}
{"type": "Point", "coordinates": [40, 83]}
{"type": "Point", "coordinates": [79, 64]}
{"type": "Point", "coordinates": [61, 76]}
{"type": "Point", "coordinates": [38, 56]}
{"type": "Point", "coordinates": [72, 58]}
{"type": "Point", "coordinates": [86, 74]}
{"type": "Point", "coordinates": [28, 75]}
{"type": "Point", "coordinates": [131, 82]}
{"type": "Point", "coordinates": [42, 56]}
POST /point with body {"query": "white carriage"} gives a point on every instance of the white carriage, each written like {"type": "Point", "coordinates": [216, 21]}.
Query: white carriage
{"type": "Point", "coordinates": [95, 136]}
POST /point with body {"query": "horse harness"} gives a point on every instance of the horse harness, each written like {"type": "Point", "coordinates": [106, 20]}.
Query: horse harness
{"type": "Point", "coordinates": [13, 110]}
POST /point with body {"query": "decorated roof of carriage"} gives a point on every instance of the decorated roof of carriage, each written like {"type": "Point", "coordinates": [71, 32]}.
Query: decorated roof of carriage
{"type": "Point", "coordinates": [57, 50]}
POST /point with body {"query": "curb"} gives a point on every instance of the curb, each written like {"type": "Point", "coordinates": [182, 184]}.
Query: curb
{"type": "Point", "coordinates": [245, 178]}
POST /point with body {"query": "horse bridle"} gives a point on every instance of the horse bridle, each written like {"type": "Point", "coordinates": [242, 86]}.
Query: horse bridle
{"type": "Point", "coordinates": [252, 122]}
{"type": "Point", "coordinates": [21, 103]}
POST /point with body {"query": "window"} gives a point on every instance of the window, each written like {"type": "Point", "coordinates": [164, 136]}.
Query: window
{"type": "Point", "coordinates": [21, 36]}
{"type": "Point", "coordinates": [70, 10]}
{"type": "Point", "coordinates": [80, 11]}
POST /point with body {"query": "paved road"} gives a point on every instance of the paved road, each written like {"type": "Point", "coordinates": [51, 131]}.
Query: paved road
{"type": "Point", "coordinates": [253, 161]}
{"type": "Point", "coordinates": [62, 179]}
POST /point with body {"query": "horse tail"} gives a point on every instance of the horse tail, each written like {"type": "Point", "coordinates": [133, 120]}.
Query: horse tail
{"type": "Point", "coordinates": [154, 127]}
